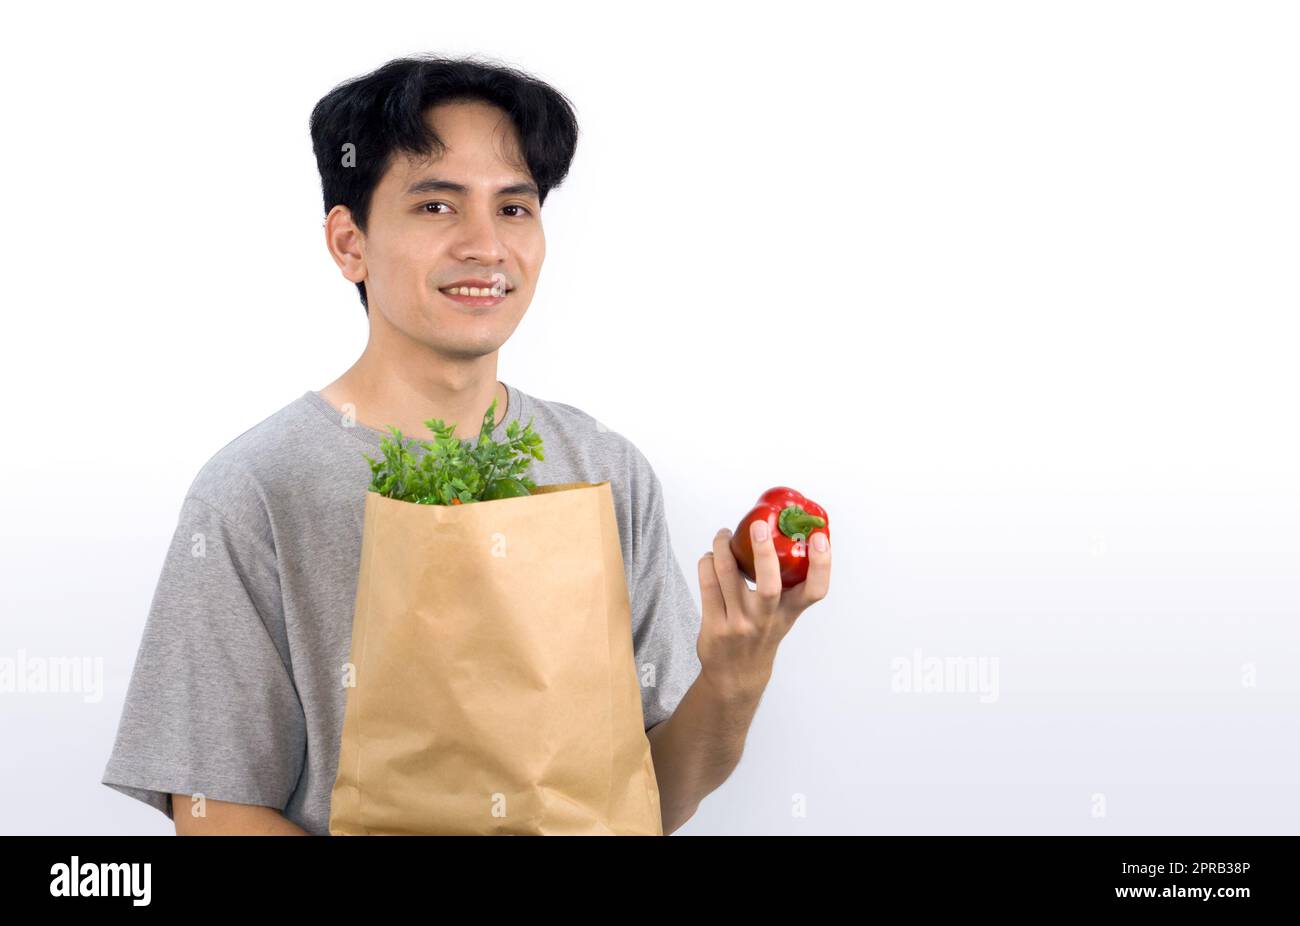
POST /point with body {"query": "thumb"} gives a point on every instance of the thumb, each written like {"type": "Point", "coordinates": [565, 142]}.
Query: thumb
{"type": "Point", "coordinates": [713, 606]}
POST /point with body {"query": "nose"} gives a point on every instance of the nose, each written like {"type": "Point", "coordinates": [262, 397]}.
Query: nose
{"type": "Point", "coordinates": [477, 240]}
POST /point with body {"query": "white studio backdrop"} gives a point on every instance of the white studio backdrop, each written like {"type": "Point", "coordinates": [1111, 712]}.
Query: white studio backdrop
{"type": "Point", "coordinates": [1008, 287]}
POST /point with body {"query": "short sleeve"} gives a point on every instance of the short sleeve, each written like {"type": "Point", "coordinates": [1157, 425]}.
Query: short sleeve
{"type": "Point", "coordinates": [211, 707]}
{"type": "Point", "coordinates": [665, 617]}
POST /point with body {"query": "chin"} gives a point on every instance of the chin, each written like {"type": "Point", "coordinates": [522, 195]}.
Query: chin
{"type": "Point", "coordinates": [463, 348]}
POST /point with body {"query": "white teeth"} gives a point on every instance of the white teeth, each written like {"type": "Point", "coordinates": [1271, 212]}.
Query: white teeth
{"type": "Point", "coordinates": [475, 291]}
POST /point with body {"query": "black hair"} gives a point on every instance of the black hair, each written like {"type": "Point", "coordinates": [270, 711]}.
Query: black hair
{"type": "Point", "coordinates": [382, 113]}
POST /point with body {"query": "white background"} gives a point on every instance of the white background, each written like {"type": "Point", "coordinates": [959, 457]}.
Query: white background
{"type": "Point", "coordinates": [1007, 287]}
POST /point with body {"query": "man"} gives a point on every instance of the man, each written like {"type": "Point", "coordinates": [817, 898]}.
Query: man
{"type": "Point", "coordinates": [434, 172]}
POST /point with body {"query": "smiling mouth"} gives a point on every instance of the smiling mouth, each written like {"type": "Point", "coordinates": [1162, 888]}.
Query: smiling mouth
{"type": "Point", "coordinates": [485, 297]}
{"type": "Point", "coordinates": [477, 291]}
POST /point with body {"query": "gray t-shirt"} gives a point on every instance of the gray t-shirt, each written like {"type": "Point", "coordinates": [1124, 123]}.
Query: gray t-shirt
{"type": "Point", "coordinates": [235, 693]}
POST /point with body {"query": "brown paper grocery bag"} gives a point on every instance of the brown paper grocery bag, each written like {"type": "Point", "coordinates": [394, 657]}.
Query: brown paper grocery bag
{"type": "Point", "coordinates": [495, 687]}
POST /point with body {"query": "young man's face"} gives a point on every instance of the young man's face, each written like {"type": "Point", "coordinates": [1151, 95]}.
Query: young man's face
{"type": "Point", "coordinates": [425, 237]}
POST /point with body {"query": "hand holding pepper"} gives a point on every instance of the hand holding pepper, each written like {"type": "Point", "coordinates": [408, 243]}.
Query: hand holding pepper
{"type": "Point", "coordinates": [783, 546]}
{"type": "Point", "coordinates": [791, 522]}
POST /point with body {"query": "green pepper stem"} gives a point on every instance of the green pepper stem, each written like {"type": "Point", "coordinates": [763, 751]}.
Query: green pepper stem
{"type": "Point", "coordinates": [797, 523]}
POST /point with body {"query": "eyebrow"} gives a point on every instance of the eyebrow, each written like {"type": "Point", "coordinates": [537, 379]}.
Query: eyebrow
{"type": "Point", "coordinates": [434, 185]}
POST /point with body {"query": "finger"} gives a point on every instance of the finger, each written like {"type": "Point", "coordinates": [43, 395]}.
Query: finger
{"type": "Point", "coordinates": [767, 569]}
{"type": "Point", "coordinates": [713, 607]}
{"type": "Point", "coordinates": [730, 579]}
{"type": "Point", "coordinates": [814, 588]}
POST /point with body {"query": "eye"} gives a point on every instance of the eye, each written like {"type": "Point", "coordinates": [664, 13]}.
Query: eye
{"type": "Point", "coordinates": [424, 207]}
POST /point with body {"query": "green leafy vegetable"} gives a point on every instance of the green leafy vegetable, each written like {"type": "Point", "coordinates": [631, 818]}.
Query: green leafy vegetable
{"type": "Point", "coordinates": [451, 471]}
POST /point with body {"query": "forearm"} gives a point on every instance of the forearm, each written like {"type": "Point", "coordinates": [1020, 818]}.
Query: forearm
{"type": "Point", "coordinates": [697, 748]}
{"type": "Point", "coordinates": [270, 823]}
{"type": "Point", "coordinates": [222, 818]}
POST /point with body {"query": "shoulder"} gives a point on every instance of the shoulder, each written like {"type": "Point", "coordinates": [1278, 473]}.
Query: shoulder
{"type": "Point", "coordinates": [567, 417]}
{"type": "Point", "coordinates": [239, 480]}
{"type": "Point", "coordinates": [605, 454]}
{"type": "Point", "coordinates": [598, 439]}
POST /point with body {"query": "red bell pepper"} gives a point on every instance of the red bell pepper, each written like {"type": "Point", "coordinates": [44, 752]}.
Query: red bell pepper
{"type": "Point", "coordinates": [791, 521]}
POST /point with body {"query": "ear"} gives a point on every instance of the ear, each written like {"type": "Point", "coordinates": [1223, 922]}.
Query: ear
{"type": "Point", "coordinates": [346, 244]}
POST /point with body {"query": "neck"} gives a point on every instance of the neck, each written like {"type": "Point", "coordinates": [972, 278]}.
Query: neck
{"type": "Point", "coordinates": [405, 396]}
